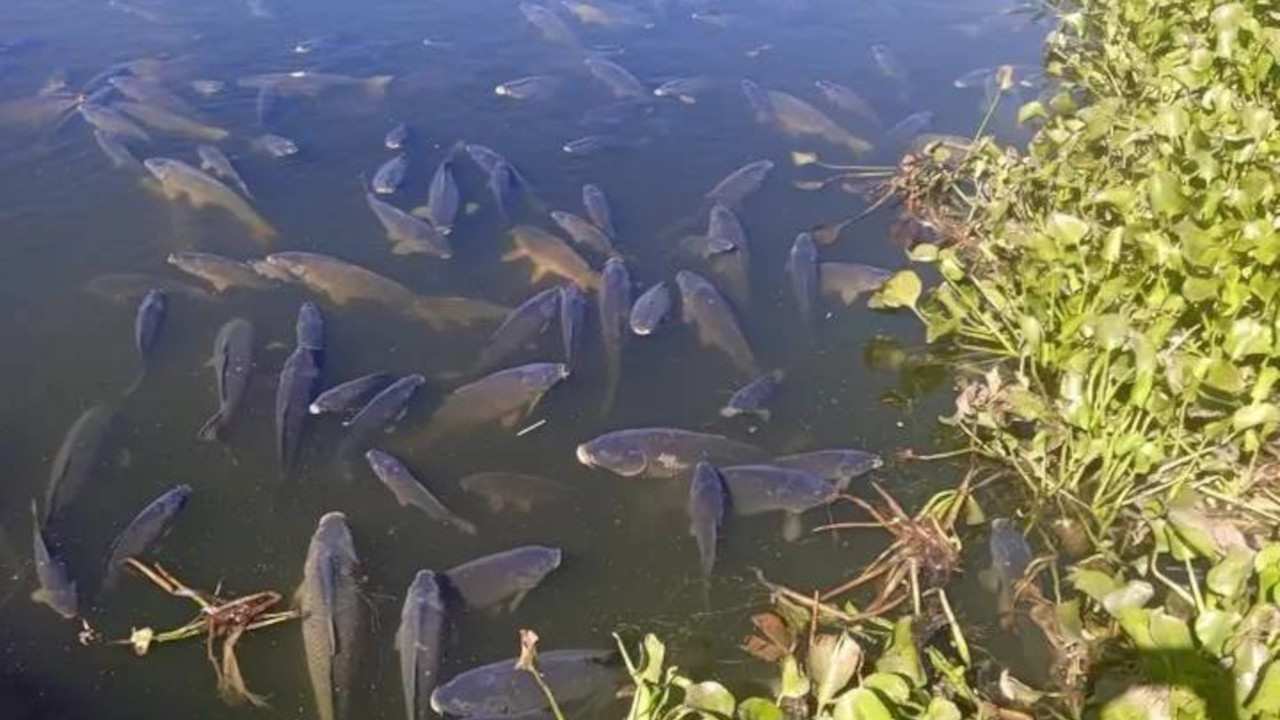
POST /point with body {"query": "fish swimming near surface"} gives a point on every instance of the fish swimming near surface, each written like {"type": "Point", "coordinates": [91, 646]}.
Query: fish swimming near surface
{"type": "Point", "coordinates": [294, 393]}
{"type": "Point", "coordinates": [443, 197]}
{"type": "Point", "coordinates": [420, 643]}
{"type": "Point", "coordinates": [618, 79]}
{"type": "Point", "coordinates": [147, 324]}
{"type": "Point", "coordinates": [740, 184]}
{"type": "Point", "coordinates": [850, 281]}
{"type": "Point", "coordinates": [552, 28]}
{"type": "Point", "coordinates": [57, 590]}
{"type": "Point", "coordinates": [222, 273]}
{"type": "Point", "coordinates": [707, 502]}
{"type": "Point", "coordinates": [390, 175]}
{"type": "Point", "coordinates": [146, 528]}
{"type": "Point", "coordinates": [116, 151]}
{"type": "Point", "coordinates": [802, 272]}
{"type": "Point", "coordinates": [78, 459]}
{"type": "Point", "coordinates": [851, 102]}
{"type": "Point", "coordinates": [334, 616]}
{"type": "Point", "coordinates": [797, 118]}
{"type": "Point", "coordinates": [838, 466]}
{"type": "Point", "coordinates": [520, 329]}
{"type": "Point", "coordinates": [215, 161]}
{"type": "Point", "coordinates": [505, 396]}
{"type": "Point", "coordinates": [614, 303]}
{"type": "Point", "coordinates": [519, 491]}
{"type": "Point", "coordinates": [277, 146]}
{"type": "Point", "coordinates": [550, 256]}
{"type": "Point", "coordinates": [409, 235]}
{"type": "Point", "coordinates": [756, 489]}
{"type": "Point", "coordinates": [651, 309]}
{"type": "Point", "coordinates": [661, 453]}
{"type": "Point", "coordinates": [178, 180]}
{"type": "Point", "coordinates": [350, 396]}
{"type": "Point", "coordinates": [168, 121]}
{"type": "Point", "coordinates": [584, 232]}
{"type": "Point", "coordinates": [503, 578]}
{"type": "Point", "coordinates": [232, 365]}
{"type": "Point", "coordinates": [111, 121]}
{"type": "Point", "coordinates": [396, 137]}
{"type": "Point", "coordinates": [408, 490]}
{"type": "Point", "coordinates": [534, 87]}
{"type": "Point", "coordinates": [597, 206]}
{"type": "Point", "coordinates": [754, 397]}
{"type": "Point", "coordinates": [686, 90]}
{"type": "Point", "coordinates": [573, 311]}
{"type": "Point", "coordinates": [706, 310]}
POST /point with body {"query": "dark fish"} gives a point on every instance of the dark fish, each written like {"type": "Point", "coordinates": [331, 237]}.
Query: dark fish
{"type": "Point", "coordinates": [1010, 553]}
{"type": "Point", "coordinates": [232, 364]}
{"type": "Point", "coordinates": [521, 492]}
{"type": "Point", "coordinates": [728, 255]}
{"type": "Point", "coordinates": [148, 526]}
{"type": "Point", "coordinates": [706, 512]}
{"type": "Point", "coordinates": [534, 87]}
{"type": "Point", "coordinates": [797, 118]}
{"type": "Point", "coordinates": [298, 380]}
{"type": "Point", "coordinates": [584, 232]}
{"type": "Point", "coordinates": [703, 307]}
{"type": "Point", "coordinates": [597, 205]}
{"type": "Point", "coordinates": [215, 161]}
{"type": "Point", "coordinates": [501, 690]}
{"type": "Point", "coordinates": [505, 396]}
{"type": "Point", "coordinates": [350, 396]}
{"type": "Point", "coordinates": [443, 197]}
{"type": "Point", "coordinates": [77, 460]}
{"type": "Point", "coordinates": [146, 330]}
{"type": "Point", "coordinates": [651, 309]}
{"type": "Point", "coordinates": [503, 185]}
{"type": "Point", "coordinates": [553, 29]}
{"type": "Point", "coordinates": [849, 281]}
{"type": "Point", "coordinates": [759, 101]}
{"type": "Point", "coordinates": [618, 79]}
{"type": "Point", "coordinates": [596, 143]}
{"type": "Point", "coordinates": [802, 271]}
{"type": "Point", "coordinates": [309, 329]}
{"type": "Point", "coordinates": [265, 104]}
{"type": "Point", "coordinates": [487, 158]}
{"type": "Point", "coordinates": [756, 489]}
{"type": "Point", "coordinates": [506, 576]}
{"type": "Point", "coordinates": [409, 235]}
{"type": "Point", "coordinates": [848, 100]}
{"type": "Point", "coordinates": [614, 302]}
{"type": "Point", "coordinates": [740, 183]}
{"type": "Point", "coordinates": [409, 491]}
{"type": "Point", "coordinates": [420, 643]}
{"type": "Point", "coordinates": [396, 137]}
{"type": "Point", "coordinates": [838, 467]}
{"type": "Point", "coordinates": [385, 408]}
{"type": "Point", "coordinates": [662, 452]}
{"type": "Point", "coordinates": [910, 126]}
{"type": "Point", "coordinates": [334, 616]}
{"type": "Point", "coordinates": [520, 329]}
{"type": "Point", "coordinates": [57, 589]}
{"type": "Point", "coordinates": [388, 178]}
{"type": "Point", "coordinates": [573, 310]}
{"type": "Point", "coordinates": [754, 397]}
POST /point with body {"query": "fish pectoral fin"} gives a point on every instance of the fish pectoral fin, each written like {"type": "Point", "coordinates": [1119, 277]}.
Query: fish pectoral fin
{"type": "Point", "coordinates": [513, 255]}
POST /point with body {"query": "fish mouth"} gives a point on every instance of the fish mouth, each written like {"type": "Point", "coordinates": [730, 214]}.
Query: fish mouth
{"type": "Point", "coordinates": [584, 456]}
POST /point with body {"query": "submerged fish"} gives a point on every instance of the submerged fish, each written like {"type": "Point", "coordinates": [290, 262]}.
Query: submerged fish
{"type": "Point", "coordinates": [703, 307]}
{"type": "Point", "coordinates": [57, 589]}
{"type": "Point", "coordinates": [728, 255]}
{"type": "Point", "coordinates": [297, 387]}
{"type": "Point", "coordinates": [597, 206]}
{"type": "Point", "coordinates": [116, 151]}
{"type": "Point", "coordinates": [503, 578]}
{"type": "Point", "coordinates": [839, 467]}
{"type": "Point", "coordinates": [755, 489]}
{"type": "Point", "coordinates": [802, 272]}
{"type": "Point", "coordinates": [396, 137]}
{"type": "Point", "coordinates": [147, 324]}
{"type": "Point", "coordinates": [334, 616]}
{"type": "Point", "coordinates": [443, 197]}
{"type": "Point", "coordinates": [754, 397]}
{"type": "Point", "coordinates": [888, 63]}
{"type": "Point", "coordinates": [651, 309]}
{"type": "Point", "coordinates": [607, 14]}
{"type": "Point", "coordinates": [310, 84]}
{"type": "Point", "coordinates": [502, 690]}
{"type": "Point", "coordinates": [130, 287]}
{"type": "Point", "coordinates": [147, 527]}
{"type": "Point", "coordinates": [409, 491]}
{"type": "Point", "coordinates": [178, 180]}
{"type": "Point", "coordinates": [661, 452]}
{"type": "Point", "coordinates": [164, 120]}
{"type": "Point", "coordinates": [534, 87]}
{"type": "Point", "coordinates": [798, 118]}
{"type": "Point", "coordinates": [573, 310]}
{"type": "Point", "coordinates": [584, 232]}
{"type": "Point", "coordinates": [706, 512]}
{"type": "Point", "coordinates": [686, 90]}
{"type": "Point", "coordinates": [517, 490]}
{"type": "Point", "coordinates": [408, 234]}
{"type": "Point", "coordinates": [420, 643]}
{"type": "Point", "coordinates": [208, 88]}
{"type": "Point", "coordinates": [849, 281]}
{"type": "Point", "coordinates": [520, 329]}
{"type": "Point", "coordinates": [553, 29]}
{"type": "Point", "coordinates": [614, 303]}
{"type": "Point", "coordinates": [232, 365]}
{"type": "Point", "coordinates": [758, 99]}
{"type": "Point", "coordinates": [215, 161]}
{"type": "Point", "coordinates": [596, 143]}
{"type": "Point", "coordinates": [77, 460]}
{"type": "Point", "coordinates": [505, 396]}
{"type": "Point", "coordinates": [149, 93]}
{"type": "Point", "coordinates": [740, 183]}
{"type": "Point", "coordinates": [350, 396]}
{"type": "Point", "coordinates": [221, 273]}
{"type": "Point", "coordinates": [110, 121]}
{"type": "Point", "coordinates": [277, 146]}
{"type": "Point", "coordinates": [910, 126]}
{"type": "Point", "coordinates": [504, 185]}
{"type": "Point", "coordinates": [848, 100]}
{"type": "Point", "coordinates": [618, 79]}
{"type": "Point", "coordinates": [618, 113]}
{"type": "Point", "coordinates": [387, 407]}
{"type": "Point", "coordinates": [550, 255]}
{"type": "Point", "coordinates": [388, 178]}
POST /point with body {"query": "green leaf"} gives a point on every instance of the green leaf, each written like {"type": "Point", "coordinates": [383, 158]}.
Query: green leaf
{"type": "Point", "coordinates": [1033, 109]}
{"type": "Point", "coordinates": [891, 686]}
{"type": "Point", "coordinates": [709, 697]}
{"type": "Point", "coordinates": [1222, 374]}
{"type": "Point", "coordinates": [1121, 197]}
{"type": "Point", "coordinates": [861, 704]}
{"type": "Point", "coordinates": [1267, 565]}
{"type": "Point", "coordinates": [758, 709]}
{"type": "Point", "coordinates": [1195, 530]}
{"type": "Point", "coordinates": [1229, 576]}
{"type": "Point", "coordinates": [1169, 632]}
{"type": "Point", "coordinates": [1248, 337]}
{"type": "Point", "coordinates": [901, 656]}
{"type": "Point", "coordinates": [1094, 583]}
{"type": "Point", "coordinates": [1266, 698]}
{"type": "Point", "coordinates": [1214, 628]}
{"type": "Point", "coordinates": [1110, 331]}
{"type": "Point", "coordinates": [1165, 193]}
{"type": "Point", "coordinates": [1140, 702]}
{"type": "Point", "coordinates": [942, 709]}
{"type": "Point", "coordinates": [901, 290]}
{"type": "Point", "coordinates": [1066, 229]}
{"type": "Point", "coordinates": [654, 655]}
{"type": "Point", "coordinates": [1254, 415]}
{"type": "Point", "coordinates": [1133, 594]}
{"type": "Point", "coordinates": [833, 659]}
{"type": "Point", "coordinates": [1258, 122]}
{"type": "Point", "coordinates": [795, 684]}
{"type": "Point", "coordinates": [924, 253]}
{"type": "Point", "coordinates": [1197, 289]}
{"type": "Point", "coordinates": [1172, 122]}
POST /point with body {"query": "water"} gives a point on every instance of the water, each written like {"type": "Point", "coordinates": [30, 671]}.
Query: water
{"type": "Point", "coordinates": [69, 217]}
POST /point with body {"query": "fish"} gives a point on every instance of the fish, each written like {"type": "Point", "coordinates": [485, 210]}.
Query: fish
{"type": "Point", "coordinates": [147, 323]}
{"type": "Point", "coordinates": [686, 90]}
{"type": "Point", "coordinates": [607, 14]}
{"type": "Point", "coordinates": [409, 491]}
{"type": "Point", "coordinates": [504, 396]}
{"type": "Point", "coordinates": [502, 690]}
{"type": "Point", "coordinates": [519, 491]}
{"type": "Point", "coordinates": [910, 126]}
{"type": "Point", "coordinates": [707, 503]}
{"type": "Point", "coordinates": [758, 489]}
{"type": "Point", "coordinates": [797, 118]}
{"type": "Point", "coordinates": [130, 287]}
{"type": "Point", "coordinates": [350, 396]}
{"type": "Point", "coordinates": [802, 272]}
{"type": "Point", "coordinates": [232, 365]}
{"type": "Point", "coordinates": [385, 408]}
{"type": "Point", "coordinates": [614, 303]}
{"type": "Point", "coordinates": [533, 87]}
{"type": "Point", "coordinates": [276, 146]}
{"type": "Point", "coordinates": [520, 329]}
{"type": "Point", "coordinates": [888, 63]}
{"type": "Point", "coordinates": [502, 578]}
{"type": "Point", "coordinates": [309, 329]}
{"type": "Point", "coordinates": [388, 178]}
{"type": "Point", "coordinates": [165, 120]}
{"type": "Point", "coordinates": [334, 616]}
{"type": "Point", "coordinates": [486, 158]}
{"type": "Point", "coordinates": [77, 460]}
{"type": "Point", "coordinates": [590, 144]}
{"type": "Point", "coordinates": [618, 79]}
{"type": "Point", "coordinates": [443, 197]}
{"type": "Point", "coordinates": [420, 642]}
{"type": "Point", "coordinates": [146, 528]}
{"type": "Point", "coordinates": [215, 161]}
{"type": "Point", "coordinates": [319, 43]}
{"type": "Point", "coordinates": [849, 281]}
{"type": "Point", "coordinates": [108, 120]}
{"type": "Point", "coordinates": [396, 137]}
{"type": "Point", "coordinates": [116, 151]}
{"type": "Point", "coordinates": [503, 184]}
{"type": "Point", "coordinates": [584, 232]}
{"type": "Point", "coordinates": [38, 111]}
{"type": "Point", "coordinates": [259, 9]}
{"type": "Point", "coordinates": [408, 235]}
{"type": "Point", "coordinates": [222, 273]}
{"type": "Point", "coordinates": [552, 28]}
{"type": "Point", "coordinates": [1010, 553]}
{"type": "Point", "coordinates": [758, 99]}
{"type": "Point", "coordinates": [208, 88]}
{"type": "Point", "coordinates": [178, 180]}
{"type": "Point", "coordinates": [303, 83]}
{"type": "Point", "coordinates": [829, 233]}
{"type": "Point", "coordinates": [754, 397]}
{"type": "Point", "coordinates": [550, 256]}
{"type": "Point", "coordinates": [265, 104]}
{"type": "Point", "coordinates": [661, 453]}
{"type": "Point", "coordinates": [298, 379]}
{"type": "Point", "coordinates": [839, 467]}
{"type": "Point", "coordinates": [597, 206]}
{"type": "Point", "coordinates": [57, 589]}
{"type": "Point", "coordinates": [740, 184]}
{"type": "Point", "coordinates": [344, 283]}
{"type": "Point", "coordinates": [846, 99]}
{"type": "Point", "coordinates": [703, 307]}
{"type": "Point", "coordinates": [573, 310]}
{"type": "Point", "coordinates": [651, 309]}
{"type": "Point", "coordinates": [728, 255]}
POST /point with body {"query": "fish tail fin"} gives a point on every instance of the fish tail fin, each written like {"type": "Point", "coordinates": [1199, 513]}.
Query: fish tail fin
{"type": "Point", "coordinates": [209, 431]}
{"type": "Point", "coordinates": [377, 85]}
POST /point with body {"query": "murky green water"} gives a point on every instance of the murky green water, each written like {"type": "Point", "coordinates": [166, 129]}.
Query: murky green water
{"type": "Point", "coordinates": [68, 217]}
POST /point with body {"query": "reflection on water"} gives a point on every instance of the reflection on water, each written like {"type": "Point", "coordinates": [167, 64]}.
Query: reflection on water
{"type": "Point", "coordinates": [88, 230]}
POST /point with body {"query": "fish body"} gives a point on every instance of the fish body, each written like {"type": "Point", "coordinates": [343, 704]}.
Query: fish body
{"type": "Point", "coordinates": [111, 121]}
{"type": "Point", "coordinates": [304, 83]}
{"type": "Point", "coordinates": [504, 185]}
{"type": "Point", "coordinates": [551, 255]}
{"type": "Point", "coordinates": [520, 329]}
{"type": "Point", "coordinates": [443, 197]}
{"type": "Point", "coordinates": [396, 137]}
{"type": "Point", "coordinates": [618, 79]}
{"type": "Point", "coordinates": [614, 303]}
{"type": "Point", "coordinates": [308, 330]}
{"type": "Point", "coordinates": [215, 161]}
{"type": "Point", "coordinates": [910, 126]}
{"type": "Point", "coordinates": [147, 527]}
{"type": "Point", "coordinates": [534, 87]}
{"type": "Point", "coordinates": [77, 460]}
{"type": "Point", "coordinates": [277, 146]}
{"type": "Point", "coordinates": [686, 90]}
{"type": "Point", "coordinates": [707, 501]}
{"type": "Point", "coordinates": [222, 273]}
{"type": "Point", "coordinates": [168, 121]}
{"type": "Point", "coordinates": [704, 308]}
{"type": "Point", "coordinates": [584, 232]}
{"type": "Point", "coordinates": [590, 144]}
{"type": "Point", "coordinates": [727, 254]}
{"type": "Point", "coordinates": [408, 235]}
{"type": "Point", "coordinates": [758, 99]}
{"type": "Point", "coordinates": [57, 589]}
{"type": "Point", "coordinates": [233, 366]}
{"type": "Point", "coordinates": [516, 490]}
{"type": "Point", "coordinates": [501, 690]}
{"type": "Point", "coordinates": [846, 99]}
{"type": "Point", "coordinates": [651, 309]}
{"type": "Point", "coordinates": [740, 183]}
{"type": "Point", "coordinates": [849, 281]}
{"type": "Point", "coordinates": [618, 113]}
{"type": "Point", "coordinates": [573, 311]}
{"type": "Point", "coordinates": [597, 206]}
{"type": "Point", "coordinates": [504, 577]}
{"type": "Point", "coordinates": [505, 396]}
{"type": "Point", "coordinates": [797, 118]}
{"type": "Point", "coordinates": [485, 157]}
{"type": "Point", "coordinates": [607, 14]}
{"type": "Point", "coordinates": [334, 619]}
{"type": "Point", "coordinates": [298, 381]}
{"type": "Point", "coordinates": [208, 88]}
{"type": "Point", "coordinates": [350, 396]}
{"type": "Point", "coordinates": [147, 323]}
{"type": "Point", "coordinates": [802, 272]}
{"type": "Point", "coordinates": [754, 397]}
{"type": "Point", "coordinates": [839, 467]}
{"type": "Point", "coordinates": [552, 28]}
{"type": "Point", "coordinates": [420, 643]}
{"type": "Point", "coordinates": [756, 489]}
{"type": "Point", "coordinates": [390, 176]}
{"type": "Point", "coordinates": [408, 491]}
{"type": "Point", "coordinates": [116, 151]}
{"type": "Point", "coordinates": [179, 179]}
{"type": "Point", "coordinates": [385, 408]}
{"type": "Point", "coordinates": [662, 452]}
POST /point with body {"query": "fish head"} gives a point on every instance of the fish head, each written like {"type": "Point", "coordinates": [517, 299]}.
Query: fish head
{"type": "Point", "coordinates": [160, 168]}
{"type": "Point", "coordinates": [379, 461]}
{"type": "Point", "coordinates": [544, 376]}
{"type": "Point", "coordinates": [614, 453]}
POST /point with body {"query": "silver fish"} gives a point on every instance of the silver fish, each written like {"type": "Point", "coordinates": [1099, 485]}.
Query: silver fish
{"type": "Point", "coordinates": [232, 364]}
{"type": "Point", "coordinates": [614, 302]}
{"type": "Point", "coordinates": [651, 309]}
{"type": "Point", "coordinates": [147, 527]}
{"type": "Point", "coordinates": [443, 197]}
{"type": "Point", "coordinates": [618, 79]}
{"type": "Point", "coordinates": [662, 452]}
{"type": "Point", "coordinates": [573, 309]}
{"type": "Point", "coordinates": [503, 578]}
{"type": "Point", "coordinates": [591, 144]}
{"type": "Point", "coordinates": [706, 512]}
{"type": "Point", "coordinates": [396, 137]}
{"type": "Point", "coordinates": [334, 616]}
{"type": "Point", "coordinates": [57, 589]}
{"type": "Point", "coordinates": [704, 308]}
{"type": "Point", "coordinates": [388, 178]}
{"type": "Point", "coordinates": [802, 271]}
{"type": "Point", "coordinates": [686, 90]}
{"type": "Point", "coordinates": [350, 396]}
{"type": "Point", "coordinates": [597, 205]}
{"type": "Point", "coordinates": [147, 324]}
{"type": "Point", "coordinates": [420, 643]}
{"type": "Point", "coordinates": [385, 408]}
{"type": "Point", "coordinates": [740, 183]}
{"type": "Point", "coordinates": [409, 491]}
{"type": "Point", "coordinates": [754, 397]}
{"type": "Point", "coordinates": [298, 380]}
{"type": "Point", "coordinates": [215, 161]}
{"type": "Point", "coordinates": [276, 146]}
{"type": "Point", "coordinates": [584, 232]}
